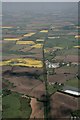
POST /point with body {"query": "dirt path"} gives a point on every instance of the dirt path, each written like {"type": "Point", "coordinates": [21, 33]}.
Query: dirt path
{"type": "Point", "coordinates": [37, 109]}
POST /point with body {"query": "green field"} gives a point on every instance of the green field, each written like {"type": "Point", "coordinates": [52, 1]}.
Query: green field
{"type": "Point", "coordinates": [53, 88]}
{"type": "Point", "coordinates": [76, 113]}
{"type": "Point", "coordinates": [0, 106]}
{"type": "Point", "coordinates": [70, 68]}
{"type": "Point", "coordinates": [73, 82]}
{"type": "Point", "coordinates": [14, 106]}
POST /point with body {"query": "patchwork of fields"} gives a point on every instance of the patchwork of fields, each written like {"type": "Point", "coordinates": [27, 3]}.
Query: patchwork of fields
{"type": "Point", "coordinates": [40, 55]}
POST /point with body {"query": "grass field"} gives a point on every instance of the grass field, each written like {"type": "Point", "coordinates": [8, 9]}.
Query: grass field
{"type": "Point", "coordinates": [73, 82]}
{"type": "Point", "coordinates": [18, 53]}
{"type": "Point", "coordinates": [76, 113]}
{"type": "Point", "coordinates": [53, 88]}
{"type": "Point", "coordinates": [70, 68]}
{"type": "Point", "coordinates": [14, 106]}
{"type": "Point", "coordinates": [0, 106]}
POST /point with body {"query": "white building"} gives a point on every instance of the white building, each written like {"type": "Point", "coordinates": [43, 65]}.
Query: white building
{"type": "Point", "coordinates": [73, 92]}
{"type": "Point", "coordinates": [51, 65]}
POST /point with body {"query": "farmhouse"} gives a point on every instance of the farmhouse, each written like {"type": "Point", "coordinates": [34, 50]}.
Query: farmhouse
{"type": "Point", "coordinates": [51, 65]}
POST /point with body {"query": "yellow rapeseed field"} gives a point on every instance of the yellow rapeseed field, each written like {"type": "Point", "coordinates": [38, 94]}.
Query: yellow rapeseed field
{"type": "Point", "coordinates": [40, 40]}
{"type": "Point", "coordinates": [37, 46]}
{"type": "Point", "coordinates": [46, 50]}
{"type": "Point", "coordinates": [6, 27]}
{"type": "Point", "coordinates": [25, 42]}
{"type": "Point", "coordinates": [53, 37]}
{"type": "Point", "coordinates": [77, 36]}
{"type": "Point", "coordinates": [77, 27]}
{"type": "Point", "coordinates": [76, 46]}
{"type": "Point", "coordinates": [44, 31]}
{"type": "Point", "coordinates": [27, 62]}
{"type": "Point", "coordinates": [29, 34]}
{"type": "Point", "coordinates": [12, 39]}
{"type": "Point", "coordinates": [58, 48]}
{"type": "Point", "coordinates": [5, 62]}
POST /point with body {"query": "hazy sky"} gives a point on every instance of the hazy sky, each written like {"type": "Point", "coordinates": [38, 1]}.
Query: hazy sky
{"type": "Point", "coordinates": [39, 0]}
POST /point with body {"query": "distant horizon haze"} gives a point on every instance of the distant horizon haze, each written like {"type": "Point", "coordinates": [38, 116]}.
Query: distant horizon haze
{"type": "Point", "coordinates": [40, 0]}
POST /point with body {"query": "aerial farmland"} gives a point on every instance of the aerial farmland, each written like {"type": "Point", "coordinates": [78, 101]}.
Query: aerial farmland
{"type": "Point", "coordinates": [40, 61]}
